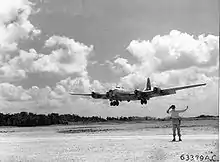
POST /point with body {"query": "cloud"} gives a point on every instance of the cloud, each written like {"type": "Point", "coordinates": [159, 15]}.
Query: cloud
{"type": "Point", "coordinates": [181, 50]}
{"type": "Point", "coordinates": [10, 92]}
{"type": "Point", "coordinates": [52, 99]}
{"type": "Point", "coordinates": [123, 65]}
{"type": "Point", "coordinates": [14, 26]}
{"type": "Point", "coordinates": [190, 75]}
{"type": "Point", "coordinates": [67, 57]}
{"type": "Point", "coordinates": [59, 92]}
{"type": "Point", "coordinates": [14, 23]}
{"type": "Point", "coordinates": [70, 57]}
{"type": "Point", "coordinates": [17, 67]}
{"type": "Point", "coordinates": [81, 85]}
{"type": "Point", "coordinates": [172, 54]}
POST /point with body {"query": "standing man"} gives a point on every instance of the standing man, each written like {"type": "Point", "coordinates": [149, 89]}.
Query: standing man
{"type": "Point", "coordinates": [176, 120]}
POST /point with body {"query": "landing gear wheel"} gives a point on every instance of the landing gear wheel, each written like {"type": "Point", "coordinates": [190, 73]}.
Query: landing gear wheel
{"type": "Point", "coordinates": [114, 103]}
{"type": "Point", "coordinates": [143, 102]}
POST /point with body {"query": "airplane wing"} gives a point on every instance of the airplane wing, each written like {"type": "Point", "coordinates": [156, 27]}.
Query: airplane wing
{"type": "Point", "coordinates": [166, 91]}
{"type": "Point", "coordinates": [93, 95]}
{"type": "Point", "coordinates": [80, 94]}
{"type": "Point", "coordinates": [184, 87]}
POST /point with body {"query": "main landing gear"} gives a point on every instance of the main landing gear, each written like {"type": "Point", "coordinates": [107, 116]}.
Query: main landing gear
{"type": "Point", "coordinates": [143, 101]}
{"type": "Point", "coordinates": [114, 103]}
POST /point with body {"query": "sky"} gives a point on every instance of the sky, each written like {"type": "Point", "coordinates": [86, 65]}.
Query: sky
{"type": "Point", "coordinates": [49, 48]}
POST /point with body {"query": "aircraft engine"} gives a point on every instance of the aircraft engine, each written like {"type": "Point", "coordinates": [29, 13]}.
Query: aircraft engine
{"type": "Point", "coordinates": [109, 94]}
{"type": "Point", "coordinates": [157, 90]}
{"type": "Point", "coordinates": [137, 93]}
{"type": "Point", "coordinates": [95, 95]}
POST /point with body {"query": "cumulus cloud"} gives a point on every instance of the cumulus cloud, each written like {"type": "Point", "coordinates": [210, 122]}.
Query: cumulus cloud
{"type": "Point", "coordinates": [181, 50]}
{"type": "Point", "coordinates": [59, 92]}
{"type": "Point", "coordinates": [10, 73]}
{"type": "Point", "coordinates": [10, 92]}
{"type": "Point", "coordinates": [80, 84]}
{"type": "Point", "coordinates": [67, 57]}
{"type": "Point", "coordinates": [14, 23]}
{"type": "Point", "coordinates": [53, 99]}
{"type": "Point", "coordinates": [17, 67]}
{"type": "Point", "coordinates": [176, 54]}
{"type": "Point", "coordinates": [123, 65]}
{"type": "Point", "coordinates": [70, 57]}
{"type": "Point", "coordinates": [14, 26]}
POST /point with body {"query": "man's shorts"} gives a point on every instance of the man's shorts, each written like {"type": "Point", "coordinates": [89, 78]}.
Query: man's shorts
{"type": "Point", "coordinates": [176, 121]}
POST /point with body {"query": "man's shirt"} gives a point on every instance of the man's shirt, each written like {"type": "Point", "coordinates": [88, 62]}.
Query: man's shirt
{"type": "Point", "coordinates": [175, 113]}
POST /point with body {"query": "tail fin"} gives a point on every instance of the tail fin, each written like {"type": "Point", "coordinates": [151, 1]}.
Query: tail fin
{"type": "Point", "coordinates": [148, 85]}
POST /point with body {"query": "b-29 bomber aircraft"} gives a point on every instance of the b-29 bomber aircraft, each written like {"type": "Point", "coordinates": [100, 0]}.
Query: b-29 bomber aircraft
{"type": "Point", "coordinates": [119, 94]}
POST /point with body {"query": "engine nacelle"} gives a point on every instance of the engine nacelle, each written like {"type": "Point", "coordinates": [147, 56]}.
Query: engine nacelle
{"type": "Point", "coordinates": [109, 94]}
{"type": "Point", "coordinates": [157, 90]}
{"type": "Point", "coordinates": [95, 95]}
{"type": "Point", "coordinates": [137, 93]}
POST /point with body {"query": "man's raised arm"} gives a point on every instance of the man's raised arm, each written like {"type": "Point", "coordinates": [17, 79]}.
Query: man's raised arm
{"type": "Point", "coordinates": [180, 111]}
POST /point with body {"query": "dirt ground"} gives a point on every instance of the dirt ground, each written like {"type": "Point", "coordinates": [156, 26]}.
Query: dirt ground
{"type": "Point", "coordinates": [115, 142]}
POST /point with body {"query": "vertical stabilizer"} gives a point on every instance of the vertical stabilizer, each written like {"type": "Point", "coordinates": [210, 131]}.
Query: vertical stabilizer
{"type": "Point", "coordinates": [148, 86]}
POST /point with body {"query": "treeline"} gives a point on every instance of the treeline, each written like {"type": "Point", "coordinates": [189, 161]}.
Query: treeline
{"type": "Point", "coordinates": [31, 119]}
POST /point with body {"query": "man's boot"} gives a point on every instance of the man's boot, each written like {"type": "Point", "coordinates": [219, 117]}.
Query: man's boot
{"type": "Point", "coordinates": [174, 139]}
{"type": "Point", "coordinates": [180, 138]}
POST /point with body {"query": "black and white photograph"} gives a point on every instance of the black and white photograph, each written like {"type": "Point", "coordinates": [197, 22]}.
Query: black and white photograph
{"type": "Point", "coordinates": [109, 80]}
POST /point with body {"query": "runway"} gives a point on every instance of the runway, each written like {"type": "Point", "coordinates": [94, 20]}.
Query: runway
{"type": "Point", "coordinates": [46, 145]}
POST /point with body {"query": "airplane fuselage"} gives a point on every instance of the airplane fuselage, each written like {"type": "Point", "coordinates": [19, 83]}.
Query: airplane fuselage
{"type": "Point", "coordinates": [129, 95]}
